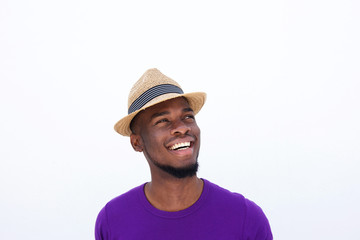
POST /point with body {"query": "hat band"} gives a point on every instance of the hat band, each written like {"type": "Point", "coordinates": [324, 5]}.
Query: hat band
{"type": "Point", "coordinates": [152, 93]}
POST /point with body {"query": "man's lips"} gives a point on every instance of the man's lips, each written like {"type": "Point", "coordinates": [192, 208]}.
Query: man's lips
{"type": "Point", "coordinates": [182, 149]}
{"type": "Point", "coordinates": [181, 144]}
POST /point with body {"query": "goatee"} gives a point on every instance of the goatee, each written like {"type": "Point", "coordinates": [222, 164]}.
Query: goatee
{"type": "Point", "coordinates": [181, 172]}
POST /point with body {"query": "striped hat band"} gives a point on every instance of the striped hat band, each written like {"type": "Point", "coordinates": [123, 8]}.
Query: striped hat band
{"type": "Point", "coordinates": [152, 93]}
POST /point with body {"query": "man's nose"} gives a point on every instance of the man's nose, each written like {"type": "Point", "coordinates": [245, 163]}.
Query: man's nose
{"type": "Point", "coordinates": [179, 127]}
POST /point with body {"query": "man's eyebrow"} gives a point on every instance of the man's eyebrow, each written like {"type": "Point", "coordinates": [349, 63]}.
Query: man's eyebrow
{"type": "Point", "coordinates": [159, 114]}
{"type": "Point", "coordinates": [188, 109]}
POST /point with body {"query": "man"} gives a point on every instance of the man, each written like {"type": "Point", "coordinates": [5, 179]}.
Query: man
{"type": "Point", "coordinates": [176, 204]}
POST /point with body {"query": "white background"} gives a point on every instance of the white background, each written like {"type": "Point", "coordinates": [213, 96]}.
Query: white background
{"type": "Point", "coordinates": [281, 124]}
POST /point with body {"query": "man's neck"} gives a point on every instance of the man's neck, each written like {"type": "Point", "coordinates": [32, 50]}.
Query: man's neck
{"type": "Point", "coordinates": [174, 194]}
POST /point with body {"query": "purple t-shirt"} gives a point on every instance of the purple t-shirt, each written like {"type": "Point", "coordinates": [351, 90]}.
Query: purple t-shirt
{"type": "Point", "coordinates": [218, 214]}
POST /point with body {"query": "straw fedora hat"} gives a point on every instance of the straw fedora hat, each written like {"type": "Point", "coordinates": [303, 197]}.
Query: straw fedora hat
{"type": "Point", "coordinates": [152, 88]}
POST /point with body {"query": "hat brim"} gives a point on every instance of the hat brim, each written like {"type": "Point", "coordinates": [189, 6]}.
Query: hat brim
{"type": "Point", "coordinates": [196, 101]}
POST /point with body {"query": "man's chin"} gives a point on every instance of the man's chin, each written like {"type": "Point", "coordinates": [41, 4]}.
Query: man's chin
{"type": "Point", "coordinates": [179, 172]}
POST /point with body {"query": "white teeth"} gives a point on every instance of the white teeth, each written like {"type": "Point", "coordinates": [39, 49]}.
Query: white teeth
{"type": "Point", "coordinates": [179, 145]}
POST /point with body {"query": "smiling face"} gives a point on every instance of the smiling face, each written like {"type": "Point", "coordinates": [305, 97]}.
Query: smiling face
{"type": "Point", "coordinates": [169, 137]}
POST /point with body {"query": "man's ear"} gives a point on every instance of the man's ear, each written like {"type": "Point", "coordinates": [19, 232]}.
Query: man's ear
{"type": "Point", "coordinates": [136, 142]}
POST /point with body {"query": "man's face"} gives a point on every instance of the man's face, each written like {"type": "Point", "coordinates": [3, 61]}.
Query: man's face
{"type": "Point", "coordinates": [168, 135]}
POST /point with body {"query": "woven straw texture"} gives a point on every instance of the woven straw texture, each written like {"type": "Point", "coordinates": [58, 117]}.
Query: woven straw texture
{"type": "Point", "coordinates": [153, 77]}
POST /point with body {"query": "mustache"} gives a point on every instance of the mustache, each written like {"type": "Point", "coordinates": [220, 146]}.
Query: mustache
{"type": "Point", "coordinates": [186, 135]}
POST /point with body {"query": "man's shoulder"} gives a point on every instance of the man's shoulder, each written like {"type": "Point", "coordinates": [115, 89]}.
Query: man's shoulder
{"type": "Point", "coordinates": [116, 211]}
{"type": "Point", "coordinates": [234, 201]}
{"type": "Point", "coordinates": [225, 195]}
{"type": "Point", "coordinates": [122, 205]}
{"type": "Point", "coordinates": [240, 209]}
{"type": "Point", "coordinates": [126, 198]}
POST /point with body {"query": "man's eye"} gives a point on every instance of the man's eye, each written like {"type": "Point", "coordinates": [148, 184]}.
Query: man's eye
{"type": "Point", "coordinates": [161, 121]}
{"type": "Point", "coordinates": [190, 117]}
